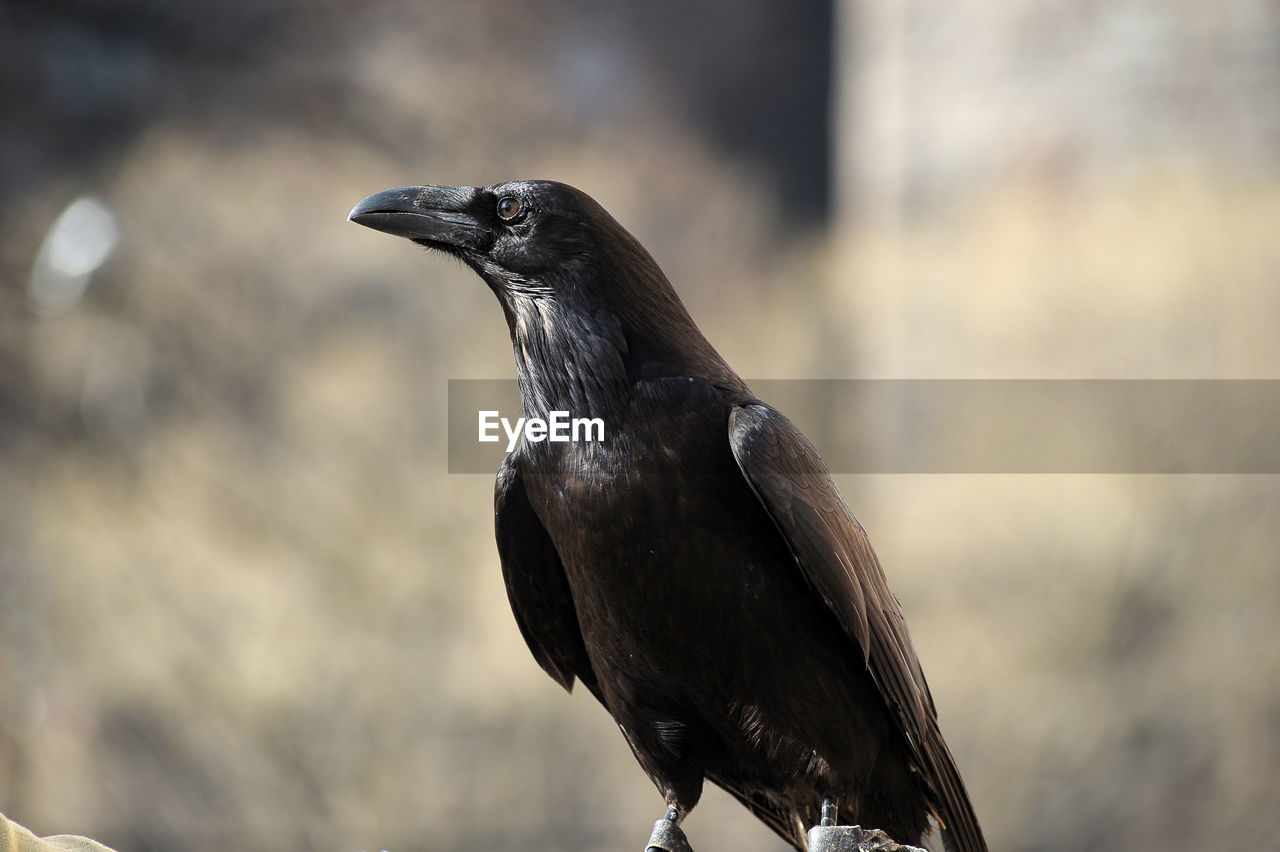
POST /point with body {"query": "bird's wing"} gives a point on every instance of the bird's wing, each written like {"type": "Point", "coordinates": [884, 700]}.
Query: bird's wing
{"type": "Point", "coordinates": [791, 480]}
{"type": "Point", "coordinates": [536, 584]}
{"type": "Point", "coordinates": [833, 551]}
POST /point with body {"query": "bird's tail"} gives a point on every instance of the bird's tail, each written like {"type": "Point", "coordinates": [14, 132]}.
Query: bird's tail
{"type": "Point", "coordinates": [952, 808]}
{"type": "Point", "coordinates": [779, 817]}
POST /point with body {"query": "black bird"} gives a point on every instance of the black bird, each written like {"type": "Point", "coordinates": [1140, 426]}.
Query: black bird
{"type": "Point", "coordinates": [697, 570]}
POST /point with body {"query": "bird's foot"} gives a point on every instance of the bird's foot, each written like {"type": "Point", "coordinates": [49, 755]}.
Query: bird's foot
{"type": "Point", "coordinates": [853, 838]}
{"type": "Point", "coordinates": [827, 836]}
{"type": "Point", "coordinates": [667, 835]}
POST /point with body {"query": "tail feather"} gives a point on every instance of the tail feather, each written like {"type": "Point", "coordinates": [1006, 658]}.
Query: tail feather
{"type": "Point", "coordinates": [953, 810]}
{"type": "Point", "coordinates": [781, 818]}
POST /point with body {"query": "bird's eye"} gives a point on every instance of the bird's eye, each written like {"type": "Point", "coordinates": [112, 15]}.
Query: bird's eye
{"type": "Point", "coordinates": [509, 208]}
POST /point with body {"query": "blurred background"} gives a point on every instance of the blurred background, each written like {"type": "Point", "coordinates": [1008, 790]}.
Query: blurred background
{"type": "Point", "coordinates": [243, 604]}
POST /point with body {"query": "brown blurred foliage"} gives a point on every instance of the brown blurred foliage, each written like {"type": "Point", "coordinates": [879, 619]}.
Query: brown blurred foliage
{"type": "Point", "coordinates": [243, 604]}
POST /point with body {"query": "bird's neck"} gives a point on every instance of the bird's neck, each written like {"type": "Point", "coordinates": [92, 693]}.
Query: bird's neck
{"type": "Point", "coordinates": [567, 360]}
{"type": "Point", "coordinates": [586, 355]}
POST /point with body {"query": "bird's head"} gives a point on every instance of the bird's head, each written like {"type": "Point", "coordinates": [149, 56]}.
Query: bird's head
{"type": "Point", "coordinates": [573, 283]}
{"type": "Point", "coordinates": [520, 236]}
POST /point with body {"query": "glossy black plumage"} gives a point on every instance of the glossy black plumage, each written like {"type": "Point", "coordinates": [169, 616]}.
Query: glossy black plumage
{"type": "Point", "coordinates": [697, 570]}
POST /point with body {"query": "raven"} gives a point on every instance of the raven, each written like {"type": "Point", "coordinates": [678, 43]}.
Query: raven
{"type": "Point", "coordinates": [698, 570]}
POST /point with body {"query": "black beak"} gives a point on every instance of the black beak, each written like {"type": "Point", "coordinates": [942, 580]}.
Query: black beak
{"type": "Point", "coordinates": [435, 216]}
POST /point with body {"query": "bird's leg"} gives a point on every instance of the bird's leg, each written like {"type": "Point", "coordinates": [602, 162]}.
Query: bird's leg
{"type": "Point", "coordinates": [827, 836]}
{"type": "Point", "coordinates": [667, 835]}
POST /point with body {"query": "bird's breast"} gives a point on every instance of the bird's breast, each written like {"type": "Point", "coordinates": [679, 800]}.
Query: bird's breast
{"type": "Point", "coordinates": [658, 531]}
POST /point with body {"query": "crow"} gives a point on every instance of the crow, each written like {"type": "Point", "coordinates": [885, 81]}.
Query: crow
{"type": "Point", "coordinates": [697, 570]}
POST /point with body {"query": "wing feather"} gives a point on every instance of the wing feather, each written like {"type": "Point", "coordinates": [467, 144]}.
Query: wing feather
{"type": "Point", "coordinates": [833, 551]}
{"type": "Point", "coordinates": [536, 584]}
